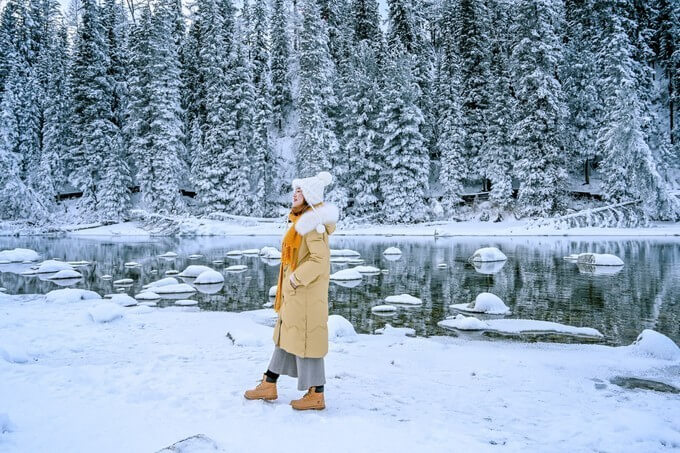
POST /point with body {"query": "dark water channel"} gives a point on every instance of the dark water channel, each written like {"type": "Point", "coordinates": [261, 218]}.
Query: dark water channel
{"type": "Point", "coordinates": [535, 282]}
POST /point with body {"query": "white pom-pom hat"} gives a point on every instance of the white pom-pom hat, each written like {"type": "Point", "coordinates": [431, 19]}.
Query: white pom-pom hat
{"type": "Point", "coordinates": [312, 187]}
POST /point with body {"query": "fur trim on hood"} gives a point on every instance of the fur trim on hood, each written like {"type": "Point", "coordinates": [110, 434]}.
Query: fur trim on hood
{"type": "Point", "coordinates": [325, 214]}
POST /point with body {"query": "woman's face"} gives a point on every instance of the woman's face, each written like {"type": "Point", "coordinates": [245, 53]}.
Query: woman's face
{"type": "Point", "coordinates": [298, 198]}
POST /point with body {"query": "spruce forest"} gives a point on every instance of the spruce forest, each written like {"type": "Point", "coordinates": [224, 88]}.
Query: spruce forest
{"type": "Point", "coordinates": [544, 107]}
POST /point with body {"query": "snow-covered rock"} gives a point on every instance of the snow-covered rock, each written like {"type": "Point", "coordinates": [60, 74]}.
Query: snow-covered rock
{"type": "Point", "coordinates": [19, 255]}
{"type": "Point", "coordinates": [484, 303]}
{"type": "Point", "coordinates": [344, 252]}
{"type": "Point", "coordinates": [106, 277]}
{"type": "Point", "coordinates": [70, 295]}
{"type": "Point", "coordinates": [194, 271]}
{"type": "Point", "coordinates": [106, 312]}
{"type": "Point", "coordinates": [79, 263]}
{"type": "Point", "coordinates": [13, 354]}
{"type": "Point", "coordinates": [123, 282]}
{"type": "Point", "coordinates": [123, 300]}
{"type": "Point", "coordinates": [172, 272]}
{"type": "Point", "coordinates": [346, 274]}
{"type": "Point", "coordinates": [488, 254]}
{"type": "Point", "coordinates": [518, 326]}
{"type": "Point", "coordinates": [209, 288]}
{"type": "Point", "coordinates": [218, 262]}
{"type": "Point", "coordinates": [571, 257]}
{"type": "Point", "coordinates": [388, 330]}
{"type": "Point", "coordinates": [367, 269]}
{"type": "Point", "coordinates": [599, 259]}
{"type": "Point", "coordinates": [3, 289]}
{"type": "Point", "coordinates": [237, 268]}
{"type": "Point", "coordinates": [270, 253]}
{"type": "Point", "coordinates": [209, 277]}
{"type": "Point", "coordinates": [195, 256]}
{"type": "Point", "coordinates": [199, 443]}
{"type": "Point", "coordinates": [384, 308]}
{"type": "Point", "coordinates": [132, 264]}
{"type": "Point", "coordinates": [140, 310]}
{"type": "Point", "coordinates": [340, 328]}
{"type": "Point", "coordinates": [405, 299]}
{"type": "Point", "coordinates": [347, 283]}
{"type": "Point", "coordinates": [65, 274]}
{"type": "Point", "coordinates": [186, 302]}
{"type": "Point", "coordinates": [392, 251]}
{"type": "Point", "coordinates": [168, 255]}
{"type": "Point", "coordinates": [52, 266]}
{"type": "Point", "coordinates": [181, 288]}
{"type": "Point", "coordinates": [651, 343]}
{"type": "Point", "coordinates": [442, 265]}
{"type": "Point", "coordinates": [272, 291]}
{"type": "Point", "coordinates": [162, 282]}
{"type": "Point", "coordinates": [235, 253]}
{"type": "Point", "coordinates": [488, 267]}
{"type": "Point", "coordinates": [593, 269]}
{"type": "Point", "coordinates": [251, 252]}
{"type": "Point", "coordinates": [147, 296]}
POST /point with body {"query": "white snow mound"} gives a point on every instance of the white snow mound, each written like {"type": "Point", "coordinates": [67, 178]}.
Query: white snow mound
{"type": "Point", "coordinates": [105, 312]}
{"type": "Point", "coordinates": [147, 295]}
{"type": "Point", "coordinates": [651, 343]}
{"type": "Point", "coordinates": [6, 425]}
{"type": "Point", "coordinates": [392, 251]}
{"type": "Point", "coordinates": [346, 274]}
{"type": "Point", "coordinates": [69, 295]}
{"type": "Point", "coordinates": [123, 300]}
{"type": "Point", "coordinates": [186, 302]}
{"type": "Point", "coordinates": [485, 303]}
{"type": "Point", "coordinates": [124, 281]}
{"type": "Point", "coordinates": [237, 268]}
{"type": "Point", "coordinates": [340, 328]}
{"type": "Point", "coordinates": [405, 299]}
{"type": "Point", "coordinates": [52, 266]}
{"type": "Point", "coordinates": [599, 259]}
{"type": "Point", "coordinates": [181, 288]}
{"type": "Point", "coordinates": [19, 255]}
{"type": "Point", "coordinates": [517, 326]}
{"type": "Point", "coordinates": [367, 269]}
{"type": "Point", "coordinates": [65, 274]}
{"type": "Point", "coordinates": [272, 291]}
{"type": "Point", "coordinates": [383, 308]}
{"type": "Point", "coordinates": [488, 254]}
{"type": "Point", "coordinates": [209, 277]}
{"type": "Point", "coordinates": [13, 354]}
{"type": "Point", "coordinates": [162, 282]}
{"type": "Point", "coordinates": [390, 331]}
{"type": "Point", "coordinates": [194, 271]}
{"type": "Point", "coordinates": [270, 252]}
{"type": "Point", "coordinates": [344, 252]}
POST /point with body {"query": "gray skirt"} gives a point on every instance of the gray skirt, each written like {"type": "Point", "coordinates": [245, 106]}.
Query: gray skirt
{"type": "Point", "coordinates": [310, 372]}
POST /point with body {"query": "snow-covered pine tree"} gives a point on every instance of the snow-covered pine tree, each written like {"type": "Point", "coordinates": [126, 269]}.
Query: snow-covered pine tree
{"type": "Point", "coordinates": [629, 169]}
{"type": "Point", "coordinates": [537, 132]}
{"type": "Point", "coordinates": [316, 140]}
{"type": "Point", "coordinates": [579, 75]}
{"type": "Point", "coordinates": [474, 44]}
{"type": "Point", "coordinates": [404, 179]}
{"type": "Point", "coordinates": [281, 96]}
{"type": "Point", "coordinates": [450, 130]}
{"type": "Point", "coordinates": [359, 171]}
{"type": "Point", "coordinates": [9, 24]}
{"type": "Point", "coordinates": [366, 20]}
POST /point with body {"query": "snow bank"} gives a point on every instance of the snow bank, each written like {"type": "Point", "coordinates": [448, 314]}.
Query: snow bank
{"type": "Point", "coordinates": [344, 252]}
{"type": "Point", "coordinates": [105, 312]}
{"type": "Point", "coordinates": [488, 254]}
{"type": "Point", "coordinates": [270, 253]}
{"type": "Point", "coordinates": [123, 300]}
{"type": "Point", "coordinates": [346, 274]}
{"type": "Point", "coordinates": [599, 259]}
{"type": "Point", "coordinates": [517, 326]}
{"type": "Point", "coordinates": [66, 274]}
{"type": "Point", "coordinates": [340, 328]}
{"type": "Point", "coordinates": [237, 268]}
{"type": "Point", "coordinates": [656, 345]}
{"type": "Point", "coordinates": [367, 269]}
{"type": "Point", "coordinates": [181, 288]}
{"type": "Point", "coordinates": [194, 271]}
{"type": "Point", "coordinates": [484, 303]}
{"type": "Point", "coordinates": [140, 310]}
{"type": "Point", "coordinates": [162, 282]}
{"type": "Point", "coordinates": [19, 255]}
{"type": "Point", "coordinates": [209, 277]}
{"type": "Point", "coordinates": [69, 295]}
{"type": "Point", "coordinates": [383, 309]}
{"type": "Point", "coordinates": [405, 299]}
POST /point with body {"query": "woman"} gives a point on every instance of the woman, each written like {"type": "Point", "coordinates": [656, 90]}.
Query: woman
{"type": "Point", "coordinates": [301, 332]}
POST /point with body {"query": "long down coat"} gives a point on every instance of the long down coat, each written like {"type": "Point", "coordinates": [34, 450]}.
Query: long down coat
{"type": "Point", "coordinates": [302, 326]}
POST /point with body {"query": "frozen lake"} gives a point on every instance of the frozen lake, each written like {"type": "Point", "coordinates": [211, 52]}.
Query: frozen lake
{"type": "Point", "coordinates": [535, 282]}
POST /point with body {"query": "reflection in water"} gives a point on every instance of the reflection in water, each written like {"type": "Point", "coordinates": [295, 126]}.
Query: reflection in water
{"type": "Point", "coordinates": [535, 282]}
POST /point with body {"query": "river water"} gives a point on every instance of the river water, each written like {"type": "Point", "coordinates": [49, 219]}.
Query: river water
{"type": "Point", "coordinates": [535, 282]}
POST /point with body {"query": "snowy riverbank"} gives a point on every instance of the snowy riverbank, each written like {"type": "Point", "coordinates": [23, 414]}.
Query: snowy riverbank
{"type": "Point", "coordinates": [192, 226]}
{"type": "Point", "coordinates": [155, 376]}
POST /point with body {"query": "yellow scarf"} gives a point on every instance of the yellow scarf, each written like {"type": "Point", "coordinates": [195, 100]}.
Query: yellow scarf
{"type": "Point", "coordinates": [289, 251]}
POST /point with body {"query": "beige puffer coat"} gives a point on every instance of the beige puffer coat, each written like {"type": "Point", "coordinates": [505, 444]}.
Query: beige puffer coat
{"type": "Point", "coordinates": [302, 326]}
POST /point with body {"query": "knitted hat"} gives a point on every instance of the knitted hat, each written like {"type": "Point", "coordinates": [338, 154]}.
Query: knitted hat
{"type": "Point", "coordinates": [312, 187]}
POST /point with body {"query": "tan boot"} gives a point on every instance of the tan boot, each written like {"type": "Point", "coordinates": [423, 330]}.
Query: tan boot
{"type": "Point", "coordinates": [311, 400]}
{"type": "Point", "coordinates": [264, 391]}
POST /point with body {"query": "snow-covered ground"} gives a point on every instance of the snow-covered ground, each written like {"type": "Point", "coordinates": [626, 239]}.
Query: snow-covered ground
{"type": "Point", "coordinates": [153, 377]}
{"type": "Point", "coordinates": [206, 227]}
